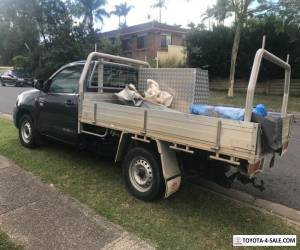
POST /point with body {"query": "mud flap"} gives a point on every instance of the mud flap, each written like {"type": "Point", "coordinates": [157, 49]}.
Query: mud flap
{"type": "Point", "coordinates": [170, 168]}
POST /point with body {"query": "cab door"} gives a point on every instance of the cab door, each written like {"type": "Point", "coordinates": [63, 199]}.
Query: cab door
{"type": "Point", "coordinates": [58, 105]}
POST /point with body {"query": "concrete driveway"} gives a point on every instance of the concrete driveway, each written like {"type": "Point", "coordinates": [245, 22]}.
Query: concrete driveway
{"type": "Point", "coordinates": [282, 182]}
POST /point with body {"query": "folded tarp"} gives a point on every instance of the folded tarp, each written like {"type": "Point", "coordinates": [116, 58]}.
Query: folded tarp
{"type": "Point", "coordinates": [218, 111]}
{"type": "Point", "coordinates": [226, 112]}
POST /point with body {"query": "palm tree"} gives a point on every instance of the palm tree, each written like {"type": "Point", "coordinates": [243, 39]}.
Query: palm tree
{"type": "Point", "coordinates": [91, 10]}
{"type": "Point", "coordinates": [120, 10]}
{"type": "Point", "coordinates": [125, 10]}
{"type": "Point", "coordinates": [117, 12]}
{"type": "Point", "coordinates": [159, 4]}
{"type": "Point", "coordinates": [220, 11]}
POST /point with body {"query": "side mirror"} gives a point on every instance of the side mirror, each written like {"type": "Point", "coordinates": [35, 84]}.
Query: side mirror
{"type": "Point", "coordinates": [39, 84]}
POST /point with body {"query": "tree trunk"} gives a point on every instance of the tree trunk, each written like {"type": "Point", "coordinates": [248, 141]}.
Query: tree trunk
{"type": "Point", "coordinates": [234, 52]}
{"type": "Point", "coordinates": [160, 15]}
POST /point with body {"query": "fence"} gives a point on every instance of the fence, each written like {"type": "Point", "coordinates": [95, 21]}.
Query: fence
{"type": "Point", "coordinates": [271, 87]}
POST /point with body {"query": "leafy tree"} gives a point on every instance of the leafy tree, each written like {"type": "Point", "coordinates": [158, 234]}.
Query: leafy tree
{"type": "Point", "coordinates": [17, 28]}
{"type": "Point", "coordinates": [159, 4]}
{"type": "Point", "coordinates": [288, 9]}
{"type": "Point", "coordinates": [20, 61]}
{"type": "Point", "coordinates": [242, 11]}
{"type": "Point", "coordinates": [211, 49]}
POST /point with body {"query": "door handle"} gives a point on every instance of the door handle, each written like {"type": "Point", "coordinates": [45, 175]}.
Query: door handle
{"type": "Point", "coordinates": [42, 101]}
{"type": "Point", "coordinates": [69, 103]}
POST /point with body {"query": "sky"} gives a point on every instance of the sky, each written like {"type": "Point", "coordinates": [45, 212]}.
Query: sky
{"type": "Point", "coordinates": [177, 12]}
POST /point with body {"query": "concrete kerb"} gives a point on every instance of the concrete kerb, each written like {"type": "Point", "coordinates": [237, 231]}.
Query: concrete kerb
{"type": "Point", "coordinates": [6, 116]}
{"type": "Point", "coordinates": [292, 216]}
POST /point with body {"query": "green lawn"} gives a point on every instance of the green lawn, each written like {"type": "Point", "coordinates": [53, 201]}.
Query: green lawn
{"type": "Point", "coordinates": [7, 244]}
{"type": "Point", "coordinates": [272, 102]}
{"type": "Point", "coordinates": [191, 219]}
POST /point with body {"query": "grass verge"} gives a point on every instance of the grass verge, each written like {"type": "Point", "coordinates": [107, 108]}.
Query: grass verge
{"type": "Point", "coordinates": [191, 219]}
{"type": "Point", "coordinates": [7, 244]}
{"type": "Point", "coordinates": [272, 102]}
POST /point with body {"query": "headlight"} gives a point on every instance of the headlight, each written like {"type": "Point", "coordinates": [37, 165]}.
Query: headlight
{"type": "Point", "coordinates": [20, 80]}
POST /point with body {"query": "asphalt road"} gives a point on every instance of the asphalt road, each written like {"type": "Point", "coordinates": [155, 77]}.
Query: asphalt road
{"type": "Point", "coordinates": [8, 97]}
{"type": "Point", "coordinates": [282, 182]}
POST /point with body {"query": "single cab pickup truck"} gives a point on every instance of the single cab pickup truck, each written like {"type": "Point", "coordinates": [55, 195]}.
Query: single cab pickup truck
{"type": "Point", "coordinates": [77, 105]}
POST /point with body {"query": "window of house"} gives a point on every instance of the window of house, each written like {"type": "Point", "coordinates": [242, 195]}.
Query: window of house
{"type": "Point", "coordinates": [141, 42]}
{"type": "Point", "coordinates": [126, 44]}
{"type": "Point", "coordinates": [165, 40]}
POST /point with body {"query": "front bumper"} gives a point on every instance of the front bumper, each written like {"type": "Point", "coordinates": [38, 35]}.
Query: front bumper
{"type": "Point", "coordinates": [15, 112]}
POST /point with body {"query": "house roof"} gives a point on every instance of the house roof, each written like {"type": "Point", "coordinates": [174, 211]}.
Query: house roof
{"type": "Point", "coordinates": [154, 25]}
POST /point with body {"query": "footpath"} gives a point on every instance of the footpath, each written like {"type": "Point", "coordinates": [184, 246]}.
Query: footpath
{"type": "Point", "coordinates": [37, 216]}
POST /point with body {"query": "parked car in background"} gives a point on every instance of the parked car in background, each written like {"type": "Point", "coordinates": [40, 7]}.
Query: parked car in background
{"type": "Point", "coordinates": [16, 77]}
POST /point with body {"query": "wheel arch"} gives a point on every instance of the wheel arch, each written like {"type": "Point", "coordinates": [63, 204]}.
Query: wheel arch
{"type": "Point", "coordinates": [161, 150]}
{"type": "Point", "coordinates": [21, 112]}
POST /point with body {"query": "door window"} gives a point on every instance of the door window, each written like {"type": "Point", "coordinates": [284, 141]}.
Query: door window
{"type": "Point", "coordinates": [67, 80]}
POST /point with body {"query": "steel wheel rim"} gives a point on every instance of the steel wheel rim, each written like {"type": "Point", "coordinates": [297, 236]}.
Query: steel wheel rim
{"type": "Point", "coordinates": [141, 174]}
{"type": "Point", "coordinates": [26, 131]}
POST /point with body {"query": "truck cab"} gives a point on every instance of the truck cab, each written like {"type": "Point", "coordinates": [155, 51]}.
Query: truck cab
{"type": "Point", "coordinates": [53, 105]}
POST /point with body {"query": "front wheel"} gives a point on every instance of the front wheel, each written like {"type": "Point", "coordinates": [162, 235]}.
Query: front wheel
{"type": "Point", "coordinates": [142, 174]}
{"type": "Point", "coordinates": [27, 133]}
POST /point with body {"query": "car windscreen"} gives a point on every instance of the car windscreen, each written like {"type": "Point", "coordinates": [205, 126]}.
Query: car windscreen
{"type": "Point", "coordinates": [20, 73]}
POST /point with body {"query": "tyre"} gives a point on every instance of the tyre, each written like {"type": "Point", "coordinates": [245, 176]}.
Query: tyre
{"type": "Point", "coordinates": [2, 83]}
{"type": "Point", "coordinates": [142, 174]}
{"type": "Point", "coordinates": [27, 132]}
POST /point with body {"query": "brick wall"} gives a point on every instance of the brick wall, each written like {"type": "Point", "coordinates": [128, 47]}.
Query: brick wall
{"type": "Point", "coordinates": [153, 45]}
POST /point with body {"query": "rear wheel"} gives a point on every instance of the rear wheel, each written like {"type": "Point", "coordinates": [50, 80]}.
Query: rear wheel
{"type": "Point", "coordinates": [27, 132]}
{"type": "Point", "coordinates": [142, 174]}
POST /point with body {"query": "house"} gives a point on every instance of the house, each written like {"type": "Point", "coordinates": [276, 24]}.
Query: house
{"type": "Point", "coordinates": [149, 40]}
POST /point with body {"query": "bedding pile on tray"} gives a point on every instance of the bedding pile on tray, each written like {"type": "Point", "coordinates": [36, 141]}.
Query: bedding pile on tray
{"type": "Point", "coordinates": [152, 95]}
